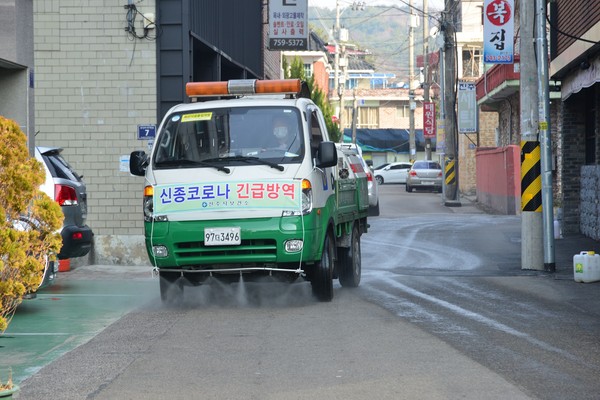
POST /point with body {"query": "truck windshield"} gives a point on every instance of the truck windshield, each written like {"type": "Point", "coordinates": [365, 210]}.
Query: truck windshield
{"type": "Point", "coordinates": [230, 135]}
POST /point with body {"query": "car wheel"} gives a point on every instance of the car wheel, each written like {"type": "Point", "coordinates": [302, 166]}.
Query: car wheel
{"type": "Point", "coordinates": [379, 179]}
{"type": "Point", "coordinates": [350, 261]}
{"type": "Point", "coordinates": [408, 188]}
{"type": "Point", "coordinates": [322, 277]}
{"type": "Point", "coordinates": [171, 287]}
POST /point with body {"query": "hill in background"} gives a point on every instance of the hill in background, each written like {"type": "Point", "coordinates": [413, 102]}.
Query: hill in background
{"type": "Point", "coordinates": [381, 30]}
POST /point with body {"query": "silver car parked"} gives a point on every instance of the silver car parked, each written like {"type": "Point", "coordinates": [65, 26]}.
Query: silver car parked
{"type": "Point", "coordinates": [67, 188]}
{"type": "Point", "coordinates": [424, 174]}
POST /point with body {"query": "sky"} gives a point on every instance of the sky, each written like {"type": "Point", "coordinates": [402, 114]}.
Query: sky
{"type": "Point", "coordinates": [400, 3]}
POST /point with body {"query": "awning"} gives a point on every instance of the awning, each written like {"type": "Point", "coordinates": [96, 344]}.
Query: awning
{"type": "Point", "coordinates": [581, 79]}
{"type": "Point", "coordinates": [392, 140]}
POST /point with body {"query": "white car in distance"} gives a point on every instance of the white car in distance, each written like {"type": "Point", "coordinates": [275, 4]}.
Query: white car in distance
{"type": "Point", "coordinates": [393, 173]}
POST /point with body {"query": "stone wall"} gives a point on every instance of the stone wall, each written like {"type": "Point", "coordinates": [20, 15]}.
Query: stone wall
{"type": "Point", "coordinates": [572, 145]}
{"type": "Point", "coordinates": [590, 201]}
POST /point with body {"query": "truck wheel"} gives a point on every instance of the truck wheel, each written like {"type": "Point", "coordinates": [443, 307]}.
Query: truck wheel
{"type": "Point", "coordinates": [322, 278]}
{"type": "Point", "coordinates": [171, 287]}
{"type": "Point", "coordinates": [350, 261]}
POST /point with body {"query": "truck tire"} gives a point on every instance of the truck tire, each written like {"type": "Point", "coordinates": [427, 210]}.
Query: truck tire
{"type": "Point", "coordinates": [322, 277]}
{"type": "Point", "coordinates": [171, 287]}
{"type": "Point", "coordinates": [350, 261]}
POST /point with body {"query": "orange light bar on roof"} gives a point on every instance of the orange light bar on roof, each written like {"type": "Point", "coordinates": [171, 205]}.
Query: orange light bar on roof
{"type": "Point", "coordinates": [278, 86]}
{"type": "Point", "coordinates": [242, 87]}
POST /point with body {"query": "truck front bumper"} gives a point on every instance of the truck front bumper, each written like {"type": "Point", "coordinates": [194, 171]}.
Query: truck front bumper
{"type": "Point", "coordinates": [261, 248]}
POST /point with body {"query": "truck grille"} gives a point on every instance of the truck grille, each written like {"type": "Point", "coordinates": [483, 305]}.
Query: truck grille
{"type": "Point", "coordinates": [248, 250]}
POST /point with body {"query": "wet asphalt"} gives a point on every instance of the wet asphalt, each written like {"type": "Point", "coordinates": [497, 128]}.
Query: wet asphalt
{"type": "Point", "coordinates": [68, 342]}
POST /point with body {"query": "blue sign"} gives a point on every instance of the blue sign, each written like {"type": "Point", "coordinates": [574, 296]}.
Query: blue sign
{"type": "Point", "coordinates": [146, 132]}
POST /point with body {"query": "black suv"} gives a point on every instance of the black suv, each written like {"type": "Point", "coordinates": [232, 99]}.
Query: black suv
{"type": "Point", "coordinates": [65, 186]}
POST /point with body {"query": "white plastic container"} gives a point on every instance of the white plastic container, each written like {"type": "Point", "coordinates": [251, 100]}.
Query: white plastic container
{"type": "Point", "coordinates": [586, 267]}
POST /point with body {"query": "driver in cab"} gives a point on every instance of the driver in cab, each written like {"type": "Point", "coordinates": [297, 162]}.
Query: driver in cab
{"type": "Point", "coordinates": [285, 133]}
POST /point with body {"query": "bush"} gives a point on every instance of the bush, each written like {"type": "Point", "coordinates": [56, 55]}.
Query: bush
{"type": "Point", "coordinates": [23, 253]}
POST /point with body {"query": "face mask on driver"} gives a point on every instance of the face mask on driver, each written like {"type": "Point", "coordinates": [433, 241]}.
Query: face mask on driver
{"type": "Point", "coordinates": [280, 132]}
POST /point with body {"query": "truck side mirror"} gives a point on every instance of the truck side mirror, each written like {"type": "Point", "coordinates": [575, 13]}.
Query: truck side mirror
{"type": "Point", "coordinates": [327, 155]}
{"type": "Point", "coordinates": [138, 161]}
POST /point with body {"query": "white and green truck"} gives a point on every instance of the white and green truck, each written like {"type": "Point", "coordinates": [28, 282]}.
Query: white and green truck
{"type": "Point", "coordinates": [224, 197]}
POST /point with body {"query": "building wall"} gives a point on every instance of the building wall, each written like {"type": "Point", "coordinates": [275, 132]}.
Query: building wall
{"type": "Point", "coordinates": [467, 148]}
{"type": "Point", "coordinates": [509, 124]}
{"type": "Point", "coordinates": [572, 144]}
{"type": "Point", "coordinates": [580, 173]}
{"type": "Point", "coordinates": [272, 59]}
{"type": "Point", "coordinates": [16, 65]}
{"type": "Point", "coordinates": [575, 17]}
{"type": "Point", "coordinates": [389, 118]}
{"type": "Point", "coordinates": [321, 77]}
{"type": "Point", "coordinates": [498, 183]}
{"type": "Point", "coordinates": [94, 85]}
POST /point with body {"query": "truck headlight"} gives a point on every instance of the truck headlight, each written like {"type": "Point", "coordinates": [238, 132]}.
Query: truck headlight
{"type": "Point", "coordinates": [160, 251]}
{"type": "Point", "coordinates": [293, 245]}
{"type": "Point", "coordinates": [306, 200]}
{"type": "Point", "coordinates": [148, 208]}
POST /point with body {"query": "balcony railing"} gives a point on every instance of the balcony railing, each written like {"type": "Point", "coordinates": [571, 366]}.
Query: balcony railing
{"type": "Point", "coordinates": [495, 76]}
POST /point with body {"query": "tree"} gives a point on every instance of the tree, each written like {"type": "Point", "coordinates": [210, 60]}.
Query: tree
{"type": "Point", "coordinates": [23, 252]}
{"type": "Point", "coordinates": [296, 70]}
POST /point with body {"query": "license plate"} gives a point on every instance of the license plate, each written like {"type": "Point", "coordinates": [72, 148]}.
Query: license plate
{"type": "Point", "coordinates": [222, 236]}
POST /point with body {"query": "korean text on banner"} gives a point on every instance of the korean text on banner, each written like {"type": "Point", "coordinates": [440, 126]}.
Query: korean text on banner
{"type": "Point", "coordinates": [288, 24]}
{"type": "Point", "coordinates": [467, 107]}
{"type": "Point", "coordinates": [429, 119]}
{"type": "Point", "coordinates": [498, 31]}
{"type": "Point", "coordinates": [210, 196]}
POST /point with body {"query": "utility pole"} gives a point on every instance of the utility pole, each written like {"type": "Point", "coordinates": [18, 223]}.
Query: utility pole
{"type": "Point", "coordinates": [531, 202]}
{"type": "Point", "coordinates": [341, 90]}
{"type": "Point", "coordinates": [336, 37]}
{"type": "Point", "coordinates": [426, 69]}
{"type": "Point", "coordinates": [545, 133]}
{"type": "Point", "coordinates": [336, 68]}
{"type": "Point", "coordinates": [411, 88]}
{"type": "Point", "coordinates": [354, 115]}
{"type": "Point", "coordinates": [451, 161]}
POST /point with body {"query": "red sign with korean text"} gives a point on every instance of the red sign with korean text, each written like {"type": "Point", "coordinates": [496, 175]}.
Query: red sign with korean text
{"type": "Point", "coordinates": [429, 120]}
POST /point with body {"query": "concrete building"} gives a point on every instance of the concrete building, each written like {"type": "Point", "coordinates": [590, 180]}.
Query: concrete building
{"type": "Point", "coordinates": [17, 73]}
{"type": "Point", "coordinates": [575, 60]}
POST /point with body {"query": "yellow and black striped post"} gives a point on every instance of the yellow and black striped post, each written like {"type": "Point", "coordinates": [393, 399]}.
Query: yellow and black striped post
{"type": "Point", "coordinates": [450, 172]}
{"type": "Point", "coordinates": [531, 177]}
